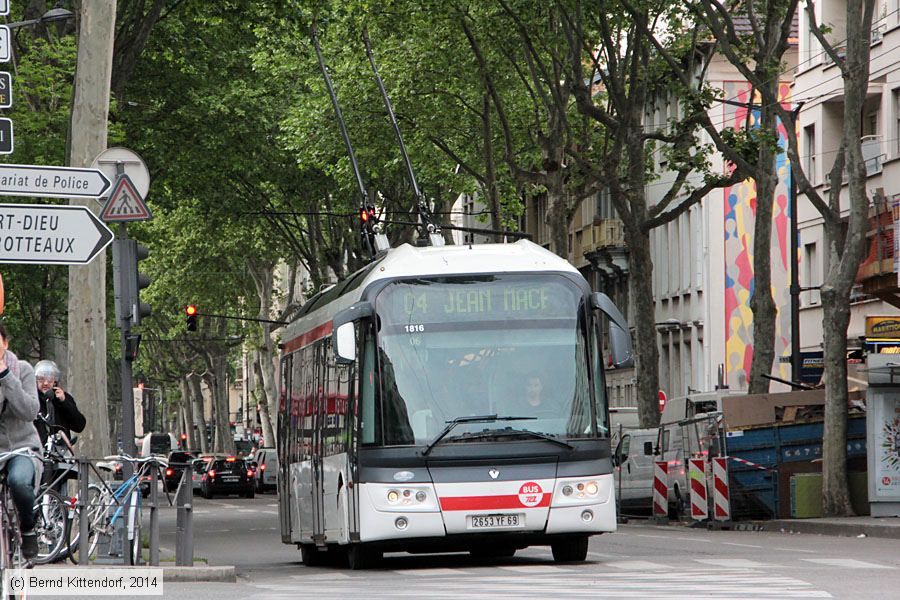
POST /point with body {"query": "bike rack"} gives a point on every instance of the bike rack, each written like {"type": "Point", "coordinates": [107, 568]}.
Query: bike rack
{"type": "Point", "coordinates": [116, 545]}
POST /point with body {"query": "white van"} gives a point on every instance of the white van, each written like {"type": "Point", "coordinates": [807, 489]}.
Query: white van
{"type": "Point", "coordinates": [157, 444]}
{"type": "Point", "coordinates": [634, 458]}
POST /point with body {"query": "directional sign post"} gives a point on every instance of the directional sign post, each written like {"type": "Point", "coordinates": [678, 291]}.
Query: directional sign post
{"type": "Point", "coordinates": [50, 235]}
{"type": "Point", "coordinates": [52, 182]}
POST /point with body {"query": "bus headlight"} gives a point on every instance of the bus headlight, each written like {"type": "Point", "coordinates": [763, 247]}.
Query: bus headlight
{"type": "Point", "coordinates": [414, 497]}
{"type": "Point", "coordinates": [580, 491]}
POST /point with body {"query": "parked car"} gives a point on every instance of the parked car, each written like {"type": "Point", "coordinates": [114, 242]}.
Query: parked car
{"type": "Point", "coordinates": [231, 475]}
{"type": "Point", "coordinates": [267, 469]}
{"type": "Point", "coordinates": [172, 475]}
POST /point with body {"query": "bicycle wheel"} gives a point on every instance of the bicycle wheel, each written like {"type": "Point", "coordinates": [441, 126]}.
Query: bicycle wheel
{"type": "Point", "coordinates": [94, 509]}
{"type": "Point", "coordinates": [10, 542]}
{"type": "Point", "coordinates": [51, 516]}
{"type": "Point", "coordinates": [133, 525]}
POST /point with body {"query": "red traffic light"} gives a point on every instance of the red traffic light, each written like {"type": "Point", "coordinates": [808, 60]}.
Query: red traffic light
{"type": "Point", "coordinates": [190, 310]}
{"type": "Point", "coordinates": [364, 215]}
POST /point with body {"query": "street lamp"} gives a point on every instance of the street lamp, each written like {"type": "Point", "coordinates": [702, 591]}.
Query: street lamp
{"type": "Point", "coordinates": [55, 14]}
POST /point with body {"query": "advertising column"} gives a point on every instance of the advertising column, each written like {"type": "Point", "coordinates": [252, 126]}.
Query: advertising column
{"type": "Point", "coordinates": [883, 434]}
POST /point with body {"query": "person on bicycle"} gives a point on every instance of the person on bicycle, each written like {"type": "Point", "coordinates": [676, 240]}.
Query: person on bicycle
{"type": "Point", "coordinates": [57, 409]}
{"type": "Point", "coordinates": [57, 406]}
{"type": "Point", "coordinates": [18, 396]}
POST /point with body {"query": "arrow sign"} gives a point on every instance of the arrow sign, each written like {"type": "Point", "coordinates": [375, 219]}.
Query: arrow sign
{"type": "Point", "coordinates": [50, 235]}
{"type": "Point", "coordinates": [52, 182]}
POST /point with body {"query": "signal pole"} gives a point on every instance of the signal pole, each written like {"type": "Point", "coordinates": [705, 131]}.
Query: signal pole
{"type": "Point", "coordinates": [87, 379]}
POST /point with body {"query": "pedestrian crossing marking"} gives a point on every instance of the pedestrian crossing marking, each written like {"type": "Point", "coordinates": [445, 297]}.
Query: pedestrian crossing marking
{"type": "Point", "coordinates": [734, 563]}
{"type": "Point", "coordinates": [536, 569]}
{"type": "Point", "coordinates": [433, 572]}
{"type": "Point", "coordinates": [637, 565]}
{"type": "Point", "coordinates": [845, 562]}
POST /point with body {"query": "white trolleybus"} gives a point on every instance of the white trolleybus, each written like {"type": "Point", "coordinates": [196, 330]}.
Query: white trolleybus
{"type": "Point", "coordinates": [448, 399]}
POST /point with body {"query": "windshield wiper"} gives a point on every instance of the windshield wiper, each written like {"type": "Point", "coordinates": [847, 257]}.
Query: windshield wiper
{"type": "Point", "coordinates": [472, 419]}
{"type": "Point", "coordinates": [543, 436]}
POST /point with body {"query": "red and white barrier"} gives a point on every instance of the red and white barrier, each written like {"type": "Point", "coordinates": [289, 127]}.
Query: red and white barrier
{"type": "Point", "coordinates": [748, 463]}
{"type": "Point", "coordinates": [660, 489]}
{"type": "Point", "coordinates": [697, 473]}
{"type": "Point", "coordinates": [721, 496]}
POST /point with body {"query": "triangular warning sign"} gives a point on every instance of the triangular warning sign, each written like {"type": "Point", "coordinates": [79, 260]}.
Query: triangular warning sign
{"type": "Point", "coordinates": [125, 203]}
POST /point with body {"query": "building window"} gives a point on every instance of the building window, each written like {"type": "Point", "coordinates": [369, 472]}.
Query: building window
{"type": "Point", "coordinates": [896, 132]}
{"type": "Point", "coordinates": [809, 153]}
{"type": "Point", "coordinates": [811, 273]}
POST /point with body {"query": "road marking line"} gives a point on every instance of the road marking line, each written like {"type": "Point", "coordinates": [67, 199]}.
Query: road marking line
{"type": "Point", "coordinates": [433, 572]}
{"type": "Point", "coordinates": [657, 537]}
{"type": "Point", "coordinates": [688, 539]}
{"type": "Point", "coordinates": [796, 550]}
{"type": "Point", "coordinates": [536, 569]}
{"type": "Point", "coordinates": [637, 565]}
{"type": "Point", "coordinates": [741, 545]}
{"type": "Point", "coordinates": [848, 563]}
{"type": "Point", "coordinates": [732, 563]}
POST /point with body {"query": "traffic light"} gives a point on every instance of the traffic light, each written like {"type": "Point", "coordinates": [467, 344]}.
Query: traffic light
{"type": "Point", "coordinates": [129, 282]}
{"type": "Point", "coordinates": [141, 280]}
{"type": "Point", "coordinates": [191, 311]}
{"type": "Point", "coordinates": [368, 218]}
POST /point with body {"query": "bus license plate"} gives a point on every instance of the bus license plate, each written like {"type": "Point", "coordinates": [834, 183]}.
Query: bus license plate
{"type": "Point", "coordinates": [492, 521]}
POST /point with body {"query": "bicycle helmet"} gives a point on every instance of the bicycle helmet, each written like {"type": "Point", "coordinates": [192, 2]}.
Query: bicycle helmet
{"type": "Point", "coordinates": [46, 369]}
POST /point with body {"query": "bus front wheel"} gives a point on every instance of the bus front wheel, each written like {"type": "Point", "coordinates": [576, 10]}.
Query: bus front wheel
{"type": "Point", "coordinates": [572, 549]}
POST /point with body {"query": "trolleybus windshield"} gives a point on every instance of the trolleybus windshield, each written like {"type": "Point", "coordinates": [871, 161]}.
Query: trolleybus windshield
{"type": "Point", "coordinates": [509, 344]}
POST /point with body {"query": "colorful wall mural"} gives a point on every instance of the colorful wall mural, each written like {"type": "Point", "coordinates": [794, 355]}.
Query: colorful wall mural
{"type": "Point", "coordinates": [740, 212]}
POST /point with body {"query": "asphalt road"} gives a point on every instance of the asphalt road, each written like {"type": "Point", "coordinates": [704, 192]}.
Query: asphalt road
{"type": "Point", "coordinates": [639, 561]}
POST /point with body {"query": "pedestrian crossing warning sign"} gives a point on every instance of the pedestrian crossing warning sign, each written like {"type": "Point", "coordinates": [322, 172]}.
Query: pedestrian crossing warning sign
{"type": "Point", "coordinates": [125, 203]}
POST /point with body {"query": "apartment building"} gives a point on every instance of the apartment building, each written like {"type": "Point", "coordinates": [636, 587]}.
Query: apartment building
{"type": "Point", "coordinates": [819, 85]}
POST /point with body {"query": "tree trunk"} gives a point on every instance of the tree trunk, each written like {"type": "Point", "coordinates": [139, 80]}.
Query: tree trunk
{"type": "Point", "coordinates": [87, 284]}
{"type": "Point", "coordinates": [224, 441]}
{"type": "Point", "coordinates": [761, 303]}
{"type": "Point", "coordinates": [199, 411]}
{"type": "Point", "coordinates": [558, 219]}
{"type": "Point", "coordinates": [835, 488]}
{"type": "Point", "coordinates": [268, 403]}
{"type": "Point", "coordinates": [264, 280]}
{"type": "Point", "coordinates": [188, 403]}
{"type": "Point", "coordinates": [640, 283]}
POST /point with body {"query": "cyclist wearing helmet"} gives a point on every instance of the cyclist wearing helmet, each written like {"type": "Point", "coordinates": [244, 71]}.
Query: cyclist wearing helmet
{"type": "Point", "coordinates": [18, 396]}
{"type": "Point", "coordinates": [56, 405]}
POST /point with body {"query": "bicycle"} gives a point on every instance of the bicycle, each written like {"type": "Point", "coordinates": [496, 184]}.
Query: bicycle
{"type": "Point", "coordinates": [11, 557]}
{"type": "Point", "coordinates": [126, 499]}
{"type": "Point", "coordinates": [52, 515]}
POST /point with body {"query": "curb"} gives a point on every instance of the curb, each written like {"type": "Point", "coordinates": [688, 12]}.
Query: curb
{"type": "Point", "coordinates": [835, 529]}
{"type": "Point", "coordinates": [172, 574]}
{"type": "Point", "coordinates": [224, 574]}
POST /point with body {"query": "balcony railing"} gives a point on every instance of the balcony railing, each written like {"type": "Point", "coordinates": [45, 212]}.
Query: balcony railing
{"type": "Point", "coordinates": [873, 155]}
{"type": "Point", "coordinates": [604, 233]}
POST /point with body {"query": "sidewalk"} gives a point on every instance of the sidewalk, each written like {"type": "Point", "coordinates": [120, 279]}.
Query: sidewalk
{"type": "Point", "coordinates": [881, 527]}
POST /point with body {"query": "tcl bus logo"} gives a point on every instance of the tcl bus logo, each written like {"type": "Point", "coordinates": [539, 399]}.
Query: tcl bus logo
{"type": "Point", "coordinates": [530, 494]}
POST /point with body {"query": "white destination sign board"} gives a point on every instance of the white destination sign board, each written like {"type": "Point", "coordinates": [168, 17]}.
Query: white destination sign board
{"type": "Point", "coordinates": [5, 53]}
{"type": "Point", "coordinates": [52, 182]}
{"type": "Point", "coordinates": [50, 235]}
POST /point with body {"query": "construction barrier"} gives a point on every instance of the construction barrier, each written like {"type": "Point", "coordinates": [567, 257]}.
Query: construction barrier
{"type": "Point", "coordinates": [661, 489]}
{"type": "Point", "coordinates": [697, 473]}
{"type": "Point", "coordinates": [748, 463]}
{"type": "Point", "coordinates": [721, 497]}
